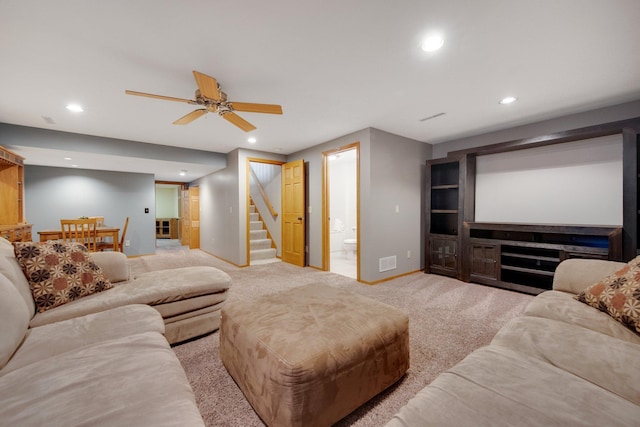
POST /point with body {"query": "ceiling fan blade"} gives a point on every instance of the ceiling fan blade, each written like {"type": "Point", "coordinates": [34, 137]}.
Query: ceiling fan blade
{"type": "Point", "coordinates": [256, 108]}
{"type": "Point", "coordinates": [238, 121]}
{"type": "Point", "coordinates": [185, 120]}
{"type": "Point", "coordinates": [208, 86]}
{"type": "Point", "coordinates": [150, 95]}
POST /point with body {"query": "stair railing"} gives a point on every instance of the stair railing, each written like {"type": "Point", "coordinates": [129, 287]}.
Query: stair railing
{"type": "Point", "coordinates": [263, 194]}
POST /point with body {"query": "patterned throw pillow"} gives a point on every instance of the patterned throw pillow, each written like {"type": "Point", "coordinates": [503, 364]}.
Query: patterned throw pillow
{"type": "Point", "coordinates": [618, 295]}
{"type": "Point", "coordinates": [59, 272]}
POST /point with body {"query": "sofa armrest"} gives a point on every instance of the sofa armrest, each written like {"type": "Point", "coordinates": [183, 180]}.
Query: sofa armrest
{"type": "Point", "coordinates": [114, 265]}
{"type": "Point", "coordinates": [574, 275]}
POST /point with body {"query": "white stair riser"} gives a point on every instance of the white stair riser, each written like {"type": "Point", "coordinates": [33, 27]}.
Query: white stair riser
{"type": "Point", "coordinates": [257, 234]}
{"type": "Point", "coordinates": [260, 244]}
{"type": "Point", "coordinates": [262, 254]}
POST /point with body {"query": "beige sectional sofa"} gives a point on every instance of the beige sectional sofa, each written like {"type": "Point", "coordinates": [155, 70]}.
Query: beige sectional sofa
{"type": "Point", "coordinates": [103, 359]}
{"type": "Point", "coordinates": [189, 299]}
{"type": "Point", "coordinates": [563, 363]}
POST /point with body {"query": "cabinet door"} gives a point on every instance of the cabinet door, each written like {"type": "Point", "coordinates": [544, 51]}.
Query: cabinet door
{"type": "Point", "coordinates": [443, 254]}
{"type": "Point", "coordinates": [484, 260]}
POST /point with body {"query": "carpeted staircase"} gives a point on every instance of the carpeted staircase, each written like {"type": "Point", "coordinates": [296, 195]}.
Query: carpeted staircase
{"type": "Point", "coordinates": [261, 247]}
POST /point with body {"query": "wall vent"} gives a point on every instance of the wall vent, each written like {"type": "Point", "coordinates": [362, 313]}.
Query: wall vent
{"type": "Point", "coordinates": [386, 264]}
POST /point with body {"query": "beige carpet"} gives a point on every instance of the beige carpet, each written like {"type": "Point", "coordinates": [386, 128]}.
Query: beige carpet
{"type": "Point", "coordinates": [447, 320]}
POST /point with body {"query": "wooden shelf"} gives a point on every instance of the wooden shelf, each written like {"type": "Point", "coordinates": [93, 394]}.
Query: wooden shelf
{"type": "Point", "coordinates": [533, 257]}
{"type": "Point", "coordinates": [445, 187]}
{"type": "Point", "coordinates": [12, 218]}
{"type": "Point", "coordinates": [166, 228]}
{"type": "Point", "coordinates": [527, 270]}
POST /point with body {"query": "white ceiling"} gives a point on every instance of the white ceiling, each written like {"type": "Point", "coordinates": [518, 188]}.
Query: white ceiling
{"type": "Point", "coordinates": [335, 66]}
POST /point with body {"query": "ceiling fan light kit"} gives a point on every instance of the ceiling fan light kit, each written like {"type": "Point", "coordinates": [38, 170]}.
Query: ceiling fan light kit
{"type": "Point", "coordinates": [210, 96]}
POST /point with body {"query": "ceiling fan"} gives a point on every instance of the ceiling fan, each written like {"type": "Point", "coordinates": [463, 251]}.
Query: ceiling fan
{"type": "Point", "coordinates": [210, 96]}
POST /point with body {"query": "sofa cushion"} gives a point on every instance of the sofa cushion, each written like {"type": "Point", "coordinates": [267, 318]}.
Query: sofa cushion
{"type": "Point", "coordinates": [114, 265]}
{"type": "Point", "coordinates": [11, 269]}
{"type": "Point", "coordinates": [157, 287]}
{"type": "Point", "coordinates": [131, 381]}
{"type": "Point", "coordinates": [5, 246]}
{"type": "Point", "coordinates": [574, 275]}
{"type": "Point", "coordinates": [617, 295]}
{"type": "Point", "coordinates": [563, 307]}
{"type": "Point", "coordinates": [61, 337]}
{"type": "Point", "coordinates": [611, 363]}
{"type": "Point", "coordinates": [498, 386]}
{"type": "Point", "coordinates": [14, 318]}
{"type": "Point", "coordinates": [59, 272]}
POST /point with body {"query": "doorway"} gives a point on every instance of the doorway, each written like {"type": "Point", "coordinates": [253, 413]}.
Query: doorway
{"type": "Point", "coordinates": [168, 214]}
{"type": "Point", "coordinates": [264, 234]}
{"type": "Point", "coordinates": [341, 243]}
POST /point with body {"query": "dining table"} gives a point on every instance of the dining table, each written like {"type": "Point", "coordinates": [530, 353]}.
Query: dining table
{"type": "Point", "coordinates": [101, 232]}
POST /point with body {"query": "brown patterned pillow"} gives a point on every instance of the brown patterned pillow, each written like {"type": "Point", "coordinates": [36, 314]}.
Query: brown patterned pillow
{"type": "Point", "coordinates": [618, 295]}
{"type": "Point", "coordinates": [59, 272]}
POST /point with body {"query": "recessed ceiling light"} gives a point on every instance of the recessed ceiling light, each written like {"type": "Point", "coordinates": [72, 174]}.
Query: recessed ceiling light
{"type": "Point", "coordinates": [508, 100]}
{"type": "Point", "coordinates": [76, 108]}
{"type": "Point", "coordinates": [67, 158]}
{"type": "Point", "coordinates": [183, 172]}
{"type": "Point", "coordinates": [432, 43]}
{"type": "Point", "coordinates": [252, 140]}
{"type": "Point", "coordinates": [74, 166]}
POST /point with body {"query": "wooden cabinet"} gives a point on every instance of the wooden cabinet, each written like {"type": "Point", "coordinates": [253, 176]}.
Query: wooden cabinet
{"type": "Point", "coordinates": [484, 261]}
{"type": "Point", "coordinates": [17, 233]}
{"type": "Point", "coordinates": [443, 218]}
{"type": "Point", "coordinates": [631, 192]}
{"type": "Point", "coordinates": [447, 208]}
{"type": "Point", "coordinates": [524, 257]}
{"type": "Point", "coordinates": [443, 255]}
{"type": "Point", "coordinates": [12, 222]}
{"type": "Point", "coordinates": [166, 228]}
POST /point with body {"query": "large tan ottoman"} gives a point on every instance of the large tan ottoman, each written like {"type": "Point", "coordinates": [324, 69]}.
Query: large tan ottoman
{"type": "Point", "coordinates": [311, 355]}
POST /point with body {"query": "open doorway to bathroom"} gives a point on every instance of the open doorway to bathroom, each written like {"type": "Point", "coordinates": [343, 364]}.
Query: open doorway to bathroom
{"type": "Point", "coordinates": [341, 201]}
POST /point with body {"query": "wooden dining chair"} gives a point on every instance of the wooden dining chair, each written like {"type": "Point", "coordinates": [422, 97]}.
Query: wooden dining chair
{"type": "Point", "coordinates": [109, 245]}
{"type": "Point", "coordinates": [81, 231]}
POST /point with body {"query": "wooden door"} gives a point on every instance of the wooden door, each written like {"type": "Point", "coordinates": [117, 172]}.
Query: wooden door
{"type": "Point", "coordinates": [194, 217]}
{"type": "Point", "coordinates": [190, 217]}
{"type": "Point", "coordinates": [293, 213]}
{"type": "Point", "coordinates": [185, 222]}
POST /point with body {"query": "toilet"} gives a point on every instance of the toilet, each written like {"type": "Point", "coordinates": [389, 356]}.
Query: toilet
{"type": "Point", "coordinates": [350, 246]}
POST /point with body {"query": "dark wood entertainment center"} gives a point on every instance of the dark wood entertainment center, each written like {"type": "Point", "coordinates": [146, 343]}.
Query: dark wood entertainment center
{"type": "Point", "coordinates": [521, 257]}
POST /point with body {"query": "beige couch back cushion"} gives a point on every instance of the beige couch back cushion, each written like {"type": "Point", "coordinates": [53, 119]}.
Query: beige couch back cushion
{"type": "Point", "coordinates": [14, 318]}
{"type": "Point", "coordinates": [11, 269]}
{"type": "Point", "coordinates": [575, 275]}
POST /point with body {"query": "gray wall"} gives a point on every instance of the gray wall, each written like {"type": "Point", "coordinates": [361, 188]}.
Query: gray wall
{"type": "Point", "coordinates": [219, 212]}
{"type": "Point", "coordinates": [396, 180]}
{"type": "Point", "coordinates": [313, 161]}
{"type": "Point", "coordinates": [55, 193]}
{"type": "Point", "coordinates": [223, 207]}
{"type": "Point", "coordinates": [391, 173]}
{"type": "Point", "coordinates": [628, 110]}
